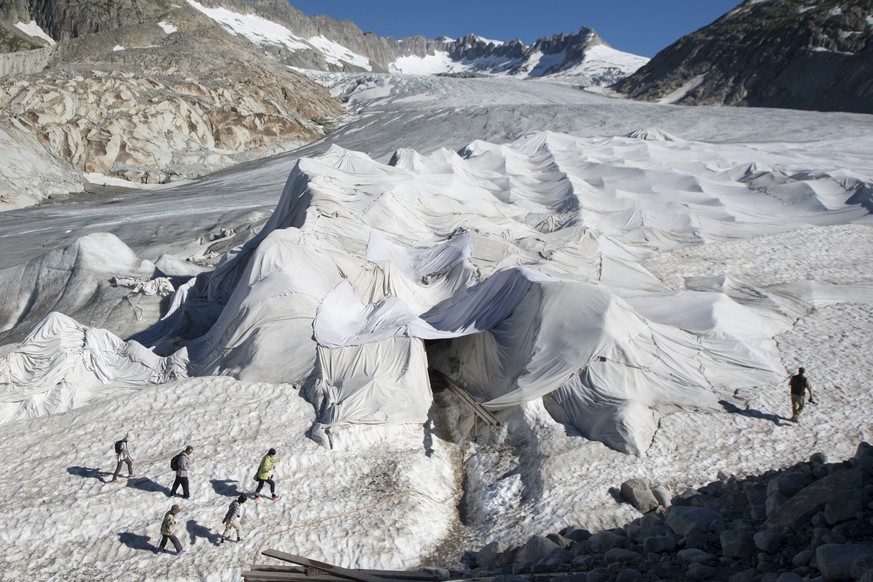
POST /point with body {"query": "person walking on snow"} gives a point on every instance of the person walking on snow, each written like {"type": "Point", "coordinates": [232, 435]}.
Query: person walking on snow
{"type": "Point", "coordinates": [231, 519]}
{"type": "Point", "coordinates": [182, 468]}
{"type": "Point", "coordinates": [799, 387]}
{"type": "Point", "coordinates": [265, 474]}
{"type": "Point", "coordinates": [168, 531]}
{"type": "Point", "coordinates": [122, 455]}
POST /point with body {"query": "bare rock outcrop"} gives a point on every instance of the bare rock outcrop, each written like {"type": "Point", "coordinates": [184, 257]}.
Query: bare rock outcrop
{"type": "Point", "coordinates": [799, 54]}
{"type": "Point", "coordinates": [153, 94]}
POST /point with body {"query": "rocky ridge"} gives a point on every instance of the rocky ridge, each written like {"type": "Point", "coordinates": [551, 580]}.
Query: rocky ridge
{"type": "Point", "coordinates": [799, 54]}
{"type": "Point", "coordinates": [810, 522]}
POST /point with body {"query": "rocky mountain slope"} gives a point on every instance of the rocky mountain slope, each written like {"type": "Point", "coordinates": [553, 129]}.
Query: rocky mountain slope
{"type": "Point", "coordinates": [148, 92]}
{"type": "Point", "coordinates": [801, 54]}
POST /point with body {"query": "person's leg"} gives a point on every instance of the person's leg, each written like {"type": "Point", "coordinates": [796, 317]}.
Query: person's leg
{"type": "Point", "coordinates": [260, 485]}
{"type": "Point", "coordinates": [129, 467]}
{"type": "Point", "coordinates": [176, 483]}
{"type": "Point", "coordinates": [185, 493]}
{"type": "Point", "coordinates": [226, 531]}
{"type": "Point", "coordinates": [238, 527]}
{"type": "Point", "coordinates": [163, 542]}
{"type": "Point", "coordinates": [117, 470]}
{"type": "Point", "coordinates": [176, 543]}
{"type": "Point", "coordinates": [272, 486]}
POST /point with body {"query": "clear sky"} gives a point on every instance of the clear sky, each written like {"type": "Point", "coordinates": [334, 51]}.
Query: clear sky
{"type": "Point", "coordinates": [641, 27]}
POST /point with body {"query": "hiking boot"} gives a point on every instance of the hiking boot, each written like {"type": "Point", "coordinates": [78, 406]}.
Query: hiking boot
{"type": "Point", "coordinates": [256, 497]}
{"type": "Point", "coordinates": [275, 496]}
{"type": "Point", "coordinates": [180, 552]}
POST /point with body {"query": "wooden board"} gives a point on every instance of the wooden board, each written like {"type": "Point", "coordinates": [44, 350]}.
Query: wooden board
{"type": "Point", "coordinates": [329, 568]}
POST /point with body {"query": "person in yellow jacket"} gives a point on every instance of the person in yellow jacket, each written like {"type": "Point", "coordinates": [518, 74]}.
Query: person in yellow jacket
{"type": "Point", "coordinates": [265, 474]}
{"type": "Point", "coordinates": [168, 531]}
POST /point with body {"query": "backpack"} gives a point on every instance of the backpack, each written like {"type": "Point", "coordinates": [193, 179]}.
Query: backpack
{"type": "Point", "coordinates": [118, 446]}
{"type": "Point", "coordinates": [798, 384]}
{"type": "Point", "coordinates": [174, 462]}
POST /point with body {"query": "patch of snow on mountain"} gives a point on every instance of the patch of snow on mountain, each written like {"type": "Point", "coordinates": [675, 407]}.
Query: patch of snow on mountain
{"type": "Point", "coordinates": [804, 9]}
{"type": "Point", "coordinates": [33, 29]}
{"type": "Point", "coordinates": [836, 11]}
{"type": "Point", "coordinates": [683, 90]}
{"type": "Point", "coordinates": [539, 64]}
{"type": "Point", "coordinates": [117, 48]}
{"type": "Point", "coordinates": [602, 65]}
{"type": "Point", "coordinates": [870, 20]}
{"type": "Point", "coordinates": [167, 27]}
{"type": "Point", "coordinates": [489, 41]}
{"type": "Point", "coordinates": [256, 29]}
{"type": "Point", "coordinates": [336, 53]}
{"type": "Point", "coordinates": [439, 62]}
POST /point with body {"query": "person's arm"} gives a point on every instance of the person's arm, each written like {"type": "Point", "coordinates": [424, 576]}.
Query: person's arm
{"type": "Point", "coordinates": [809, 389]}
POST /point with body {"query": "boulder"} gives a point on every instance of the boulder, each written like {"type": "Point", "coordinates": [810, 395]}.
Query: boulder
{"type": "Point", "coordinates": [622, 555]}
{"type": "Point", "coordinates": [769, 541]}
{"type": "Point", "coordinates": [488, 555]}
{"type": "Point", "coordinates": [682, 520]}
{"type": "Point", "coordinates": [835, 561]}
{"type": "Point", "coordinates": [787, 483]}
{"type": "Point", "coordinates": [535, 549]}
{"type": "Point", "coordinates": [809, 500]}
{"type": "Point", "coordinates": [689, 555]}
{"type": "Point", "coordinates": [659, 544]}
{"type": "Point", "coordinates": [663, 495]}
{"type": "Point", "coordinates": [637, 493]}
{"type": "Point", "coordinates": [738, 543]}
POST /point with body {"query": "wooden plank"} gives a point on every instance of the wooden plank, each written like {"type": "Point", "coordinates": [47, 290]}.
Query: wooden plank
{"type": "Point", "coordinates": [476, 406]}
{"type": "Point", "coordinates": [262, 575]}
{"type": "Point", "coordinates": [271, 576]}
{"type": "Point", "coordinates": [274, 568]}
{"type": "Point", "coordinates": [329, 568]}
{"type": "Point", "coordinates": [402, 575]}
{"type": "Point", "coordinates": [394, 575]}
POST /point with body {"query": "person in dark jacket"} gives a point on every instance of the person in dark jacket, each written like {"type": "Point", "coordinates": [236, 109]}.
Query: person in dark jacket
{"type": "Point", "coordinates": [168, 531]}
{"type": "Point", "coordinates": [232, 518]}
{"type": "Point", "coordinates": [123, 457]}
{"type": "Point", "coordinates": [182, 473]}
{"type": "Point", "coordinates": [799, 388]}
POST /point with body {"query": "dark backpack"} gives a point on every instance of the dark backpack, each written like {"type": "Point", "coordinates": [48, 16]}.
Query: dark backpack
{"type": "Point", "coordinates": [798, 384]}
{"type": "Point", "coordinates": [118, 446]}
{"type": "Point", "coordinates": [174, 462]}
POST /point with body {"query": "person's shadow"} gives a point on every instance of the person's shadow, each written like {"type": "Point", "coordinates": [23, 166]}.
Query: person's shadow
{"type": "Point", "coordinates": [195, 530]}
{"type": "Point", "coordinates": [89, 473]}
{"type": "Point", "coordinates": [226, 487]}
{"type": "Point", "coordinates": [146, 484]}
{"type": "Point", "coordinates": [135, 541]}
{"type": "Point", "coordinates": [752, 413]}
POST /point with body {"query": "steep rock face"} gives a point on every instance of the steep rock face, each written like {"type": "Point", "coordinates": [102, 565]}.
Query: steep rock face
{"type": "Point", "coordinates": [802, 54]}
{"type": "Point", "coordinates": [174, 97]}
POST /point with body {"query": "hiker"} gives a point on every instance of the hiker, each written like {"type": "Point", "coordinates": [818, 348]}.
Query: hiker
{"type": "Point", "coordinates": [799, 387]}
{"type": "Point", "coordinates": [182, 465]}
{"type": "Point", "coordinates": [231, 519]}
{"type": "Point", "coordinates": [122, 455]}
{"type": "Point", "coordinates": [265, 474]}
{"type": "Point", "coordinates": [168, 531]}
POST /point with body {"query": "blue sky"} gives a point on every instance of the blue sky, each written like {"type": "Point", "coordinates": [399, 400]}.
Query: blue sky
{"type": "Point", "coordinates": [642, 27]}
